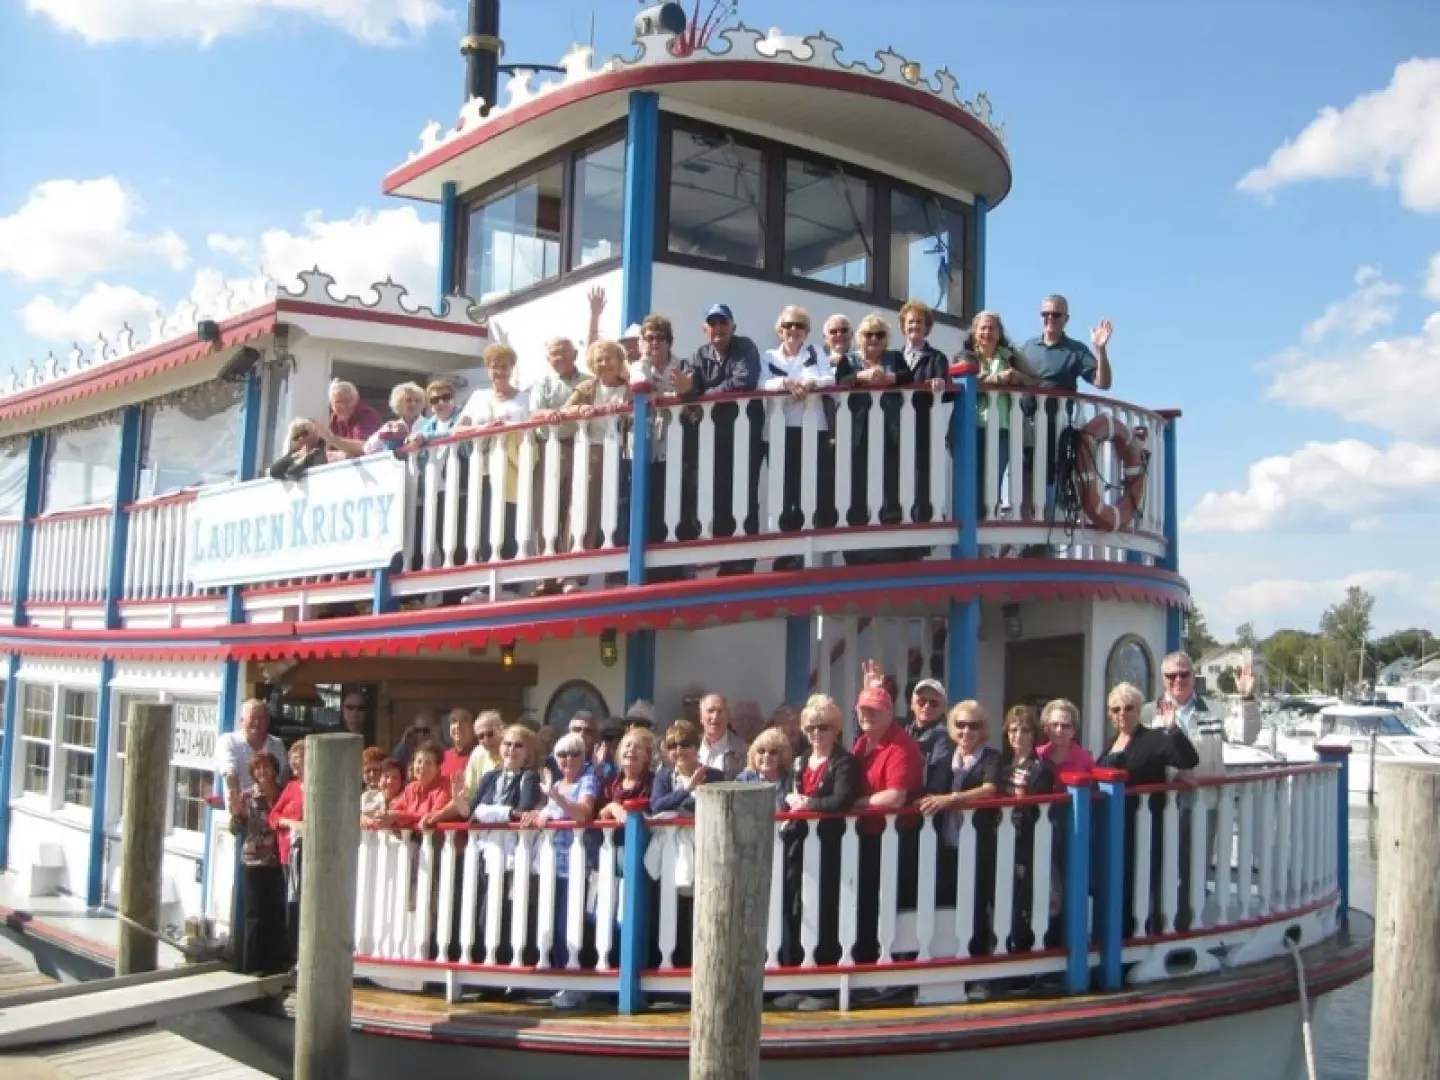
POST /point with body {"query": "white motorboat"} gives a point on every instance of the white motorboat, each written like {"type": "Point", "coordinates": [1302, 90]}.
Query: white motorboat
{"type": "Point", "coordinates": [1374, 734]}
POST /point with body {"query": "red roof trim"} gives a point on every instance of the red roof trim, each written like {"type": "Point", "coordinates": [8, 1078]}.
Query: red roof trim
{"type": "Point", "coordinates": [708, 71]}
{"type": "Point", "coordinates": [422, 322]}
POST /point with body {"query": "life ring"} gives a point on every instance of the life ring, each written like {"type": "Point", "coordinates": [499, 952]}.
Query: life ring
{"type": "Point", "coordinates": [1130, 449]}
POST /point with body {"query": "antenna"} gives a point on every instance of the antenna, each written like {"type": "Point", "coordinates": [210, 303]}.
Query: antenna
{"type": "Point", "coordinates": [592, 28]}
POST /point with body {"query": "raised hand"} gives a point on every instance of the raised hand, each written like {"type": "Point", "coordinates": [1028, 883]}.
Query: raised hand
{"type": "Point", "coordinates": [596, 297]}
{"type": "Point", "coordinates": [872, 674]}
{"type": "Point", "coordinates": [1100, 336]}
{"type": "Point", "coordinates": [1246, 683]}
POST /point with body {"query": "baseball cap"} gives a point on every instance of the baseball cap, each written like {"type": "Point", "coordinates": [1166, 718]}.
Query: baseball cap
{"type": "Point", "coordinates": [720, 311]}
{"type": "Point", "coordinates": [641, 713]}
{"type": "Point", "coordinates": [631, 331]}
{"type": "Point", "coordinates": [935, 686]}
{"type": "Point", "coordinates": [875, 697]}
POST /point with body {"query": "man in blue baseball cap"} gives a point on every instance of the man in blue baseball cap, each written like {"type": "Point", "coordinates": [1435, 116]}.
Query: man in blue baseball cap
{"type": "Point", "coordinates": [728, 364]}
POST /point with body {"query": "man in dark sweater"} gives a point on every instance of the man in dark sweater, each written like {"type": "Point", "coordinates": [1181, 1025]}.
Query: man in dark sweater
{"type": "Point", "coordinates": [927, 728]}
{"type": "Point", "coordinates": [727, 364]}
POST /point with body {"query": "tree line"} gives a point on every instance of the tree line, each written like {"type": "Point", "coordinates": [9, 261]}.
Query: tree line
{"type": "Point", "coordinates": [1336, 658]}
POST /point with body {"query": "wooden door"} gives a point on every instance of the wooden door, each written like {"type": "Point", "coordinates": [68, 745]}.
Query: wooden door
{"type": "Point", "coordinates": [1037, 672]}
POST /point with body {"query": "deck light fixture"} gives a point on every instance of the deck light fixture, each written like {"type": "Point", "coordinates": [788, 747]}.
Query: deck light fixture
{"type": "Point", "coordinates": [1014, 628]}
{"type": "Point", "coordinates": [609, 647]}
{"type": "Point", "coordinates": [207, 330]}
{"type": "Point", "coordinates": [507, 655]}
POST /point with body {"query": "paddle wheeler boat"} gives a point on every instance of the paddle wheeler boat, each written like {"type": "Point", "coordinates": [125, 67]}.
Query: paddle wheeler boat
{"type": "Point", "coordinates": [147, 556]}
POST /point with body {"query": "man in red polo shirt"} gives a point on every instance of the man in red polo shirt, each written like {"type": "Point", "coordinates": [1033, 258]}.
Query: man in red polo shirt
{"type": "Point", "coordinates": [351, 421]}
{"type": "Point", "coordinates": [894, 767]}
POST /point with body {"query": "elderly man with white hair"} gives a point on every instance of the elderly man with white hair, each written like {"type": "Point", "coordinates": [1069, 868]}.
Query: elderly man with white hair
{"type": "Point", "coordinates": [351, 421]}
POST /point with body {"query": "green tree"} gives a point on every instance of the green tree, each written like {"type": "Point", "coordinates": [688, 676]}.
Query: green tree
{"type": "Point", "coordinates": [1292, 660]}
{"type": "Point", "coordinates": [1245, 636]}
{"type": "Point", "coordinates": [1197, 637]}
{"type": "Point", "coordinates": [1225, 681]}
{"type": "Point", "coordinates": [1346, 628]}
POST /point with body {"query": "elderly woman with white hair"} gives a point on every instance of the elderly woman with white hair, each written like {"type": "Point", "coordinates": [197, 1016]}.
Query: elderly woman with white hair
{"type": "Point", "coordinates": [570, 796]}
{"type": "Point", "coordinates": [796, 367]}
{"type": "Point", "coordinates": [1146, 755]}
{"type": "Point", "coordinates": [407, 402]}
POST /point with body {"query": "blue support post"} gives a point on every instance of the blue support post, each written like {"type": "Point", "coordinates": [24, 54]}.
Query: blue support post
{"type": "Point", "coordinates": [449, 235]}
{"type": "Point", "coordinates": [7, 755]}
{"type": "Point", "coordinates": [642, 143]}
{"type": "Point", "coordinates": [128, 475]}
{"type": "Point", "coordinates": [798, 629]}
{"type": "Point", "coordinates": [635, 920]}
{"type": "Point", "coordinates": [640, 666]}
{"type": "Point", "coordinates": [1110, 900]}
{"type": "Point", "coordinates": [962, 650]}
{"type": "Point", "coordinates": [982, 208]}
{"type": "Point", "coordinates": [1077, 890]}
{"type": "Point", "coordinates": [639, 489]}
{"type": "Point", "coordinates": [1337, 755]}
{"type": "Point", "coordinates": [20, 591]}
{"type": "Point", "coordinates": [381, 598]}
{"type": "Point", "coordinates": [1174, 617]}
{"type": "Point", "coordinates": [95, 878]}
{"type": "Point", "coordinates": [250, 417]}
{"type": "Point", "coordinates": [965, 497]}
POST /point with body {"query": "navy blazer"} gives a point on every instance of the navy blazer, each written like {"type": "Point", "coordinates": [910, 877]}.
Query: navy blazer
{"type": "Point", "coordinates": [522, 795]}
{"type": "Point", "coordinates": [667, 795]}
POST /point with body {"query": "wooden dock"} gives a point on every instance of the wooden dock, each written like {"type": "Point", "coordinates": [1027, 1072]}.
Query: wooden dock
{"type": "Point", "coordinates": [78, 1032]}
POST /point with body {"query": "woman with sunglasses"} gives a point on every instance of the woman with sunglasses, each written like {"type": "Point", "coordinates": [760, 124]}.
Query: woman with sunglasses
{"type": "Point", "coordinates": [875, 367]}
{"type": "Point", "coordinates": [973, 774]}
{"type": "Point", "coordinates": [1060, 720]}
{"type": "Point", "coordinates": [305, 450]}
{"type": "Point", "coordinates": [675, 784]}
{"type": "Point", "coordinates": [768, 761]}
{"type": "Point", "coordinates": [1146, 754]}
{"type": "Point", "coordinates": [796, 367]}
{"type": "Point", "coordinates": [570, 796]}
{"type": "Point", "coordinates": [826, 780]}
{"type": "Point", "coordinates": [439, 422]}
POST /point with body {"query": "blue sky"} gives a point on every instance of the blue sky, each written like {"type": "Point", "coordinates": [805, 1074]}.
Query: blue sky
{"type": "Point", "coordinates": [147, 154]}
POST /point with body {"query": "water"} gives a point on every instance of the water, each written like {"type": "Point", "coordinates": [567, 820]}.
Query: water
{"type": "Point", "coordinates": [1343, 1041]}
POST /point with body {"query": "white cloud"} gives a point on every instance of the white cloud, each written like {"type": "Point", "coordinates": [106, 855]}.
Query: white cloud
{"type": "Point", "coordinates": [1341, 485]}
{"type": "Point", "coordinates": [1432, 280]}
{"type": "Point", "coordinates": [69, 230]}
{"type": "Point", "coordinates": [1392, 385]}
{"type": "Point", "coordinates": [1389, 136]}
{"type": "Point", "coordinates": [372, 21]}
{"type": "Point", "coordinates": [1401, 599]}
{"type": "Point", "coordinates": [1368, 308]}
{"type": "Point", "coordinates": [357, 251]}
{"type": "Point", "coordinates": [103, 309]}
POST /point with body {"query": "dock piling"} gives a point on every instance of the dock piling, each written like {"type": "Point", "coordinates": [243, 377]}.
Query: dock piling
{"type": "Point", "coordinates": [734, 846]}
{"type": "Point", "coordinates": [325, 988]}
{"type": "Point", "coordinates": [1404, 1037]}
{"type": "Point", "coordinates": [148, 735]}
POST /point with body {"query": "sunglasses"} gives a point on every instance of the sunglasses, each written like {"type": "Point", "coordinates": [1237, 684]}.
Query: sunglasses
{"type": "Point", "coordinates": [352, 706]}
{"type": "Point", "coordinates": [794, 326]}
{"type": "Point", "coordinates": [567, 753]}
{"type": "Point", "coordinates": [1177, 676]}
{"type": "Point", "coordinates": [968, 725]}
{"type": "Point", "coordinates": [1057, 315]}
{"type": "Point", "coordinates": [819, 727]}
{"type": "Point", "coordinates": [766, 752]}
{"type": "Point", "coordinates": [656, 339]}
{"type": "Point", "coordinates": [1116, 710]}
{"type": "Point", "coordinates": [508, 745]}
{"type": "Point", "coordinates": [682, 746]}
{"type": "Point", "coordinates": [487, 735]}
{"type": "Point", "coordinates": [874, 334]}
{"type": "Point", "coordinates": [929, 703]}
{"type": "Point", "coordinates": [438, 398]}
{"type": "Point", "coordinates": [717, 321]}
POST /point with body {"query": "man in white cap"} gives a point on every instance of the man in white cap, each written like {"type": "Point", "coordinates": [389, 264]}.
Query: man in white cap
{"type": "Point", "coordinates": [927, 728]}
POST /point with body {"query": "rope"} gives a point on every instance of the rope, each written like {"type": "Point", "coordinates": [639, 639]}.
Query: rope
{"type": "Point", "coordinates": [1071, 480]}
{"type": "Point", "coordinates": [1307, 1032]}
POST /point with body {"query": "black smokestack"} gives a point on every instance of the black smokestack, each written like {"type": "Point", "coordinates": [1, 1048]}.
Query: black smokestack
{"type": "Point", "coordinates": [481, 49]}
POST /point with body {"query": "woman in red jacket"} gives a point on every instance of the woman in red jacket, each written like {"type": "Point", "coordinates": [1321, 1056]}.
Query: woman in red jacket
{"type": "Point", "coordinates": [287, 818]}
{"type": "Point", "coordinates": [427, 794]}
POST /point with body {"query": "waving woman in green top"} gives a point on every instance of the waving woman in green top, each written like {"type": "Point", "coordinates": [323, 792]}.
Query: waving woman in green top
{"type": "Point", "coordinates": [1000, 367]}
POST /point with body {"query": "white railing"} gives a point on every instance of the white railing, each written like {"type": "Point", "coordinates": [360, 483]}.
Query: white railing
{"type": "Point", "coordinates": [9, 557]}
{"type": "Point", "coordinates": [1015, 497]}
{"type": "Point", "coordinates": [158, 546]}
{"type": "Point", "coordinates": [875, 900]}
{"type": "Point", "coordinates": [71, 557]}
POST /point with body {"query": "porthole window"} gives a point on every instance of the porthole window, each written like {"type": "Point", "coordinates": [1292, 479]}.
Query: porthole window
{"type": "Point", "coordinates": [571, 697]}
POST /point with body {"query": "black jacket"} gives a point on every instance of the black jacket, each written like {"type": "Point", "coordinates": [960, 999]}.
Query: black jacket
{"type": "Point", "coordinates": [520, 795]}
{"type": "Point", "coordinates": [1150, 752]}
{"type": "Point", "coordinates": [291, 468]}
{"type": "Point", "coordinates": [937, 749]}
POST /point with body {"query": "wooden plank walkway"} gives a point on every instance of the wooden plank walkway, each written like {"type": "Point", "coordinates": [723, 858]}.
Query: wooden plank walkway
{"type": "Point", "coordinates": [145, 1053]}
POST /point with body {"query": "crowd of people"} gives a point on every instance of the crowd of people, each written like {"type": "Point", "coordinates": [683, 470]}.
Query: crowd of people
{"type": "Point", "coordinates": [873, 355]}
{"type": "Point", "coordinates": [923, 770]}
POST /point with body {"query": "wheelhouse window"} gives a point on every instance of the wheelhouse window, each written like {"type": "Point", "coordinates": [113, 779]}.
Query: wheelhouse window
{"type": "Point", "coordinates": [77, 744]}
{"type": "Point", "coordinates": [829, 225]}
{"type": "Point", "coordinates": [717, 199]}
{"type": "Point", "coordinates": [80, 466]}
{"type": "Point", "coordinates": [599, 205]}
{"type": "Point", "coordinates": [513, 238]}
{"type": "Point", "coordinates": [927, 251]}
{"type": "Point", "coordinates": [191, 442]}
{"type": "Point", "coordinates": [37, 719]}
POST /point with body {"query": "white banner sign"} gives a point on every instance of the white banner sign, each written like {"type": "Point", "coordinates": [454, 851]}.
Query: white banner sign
{"type": "Point", "coordinates": [336, 518]}
{"type": "Point", "coordinates": [195, 727]}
